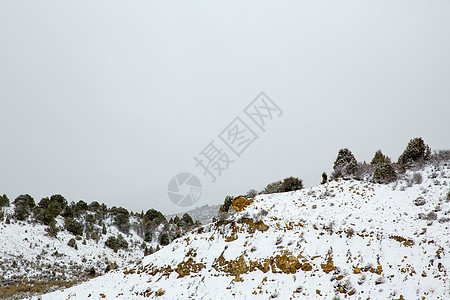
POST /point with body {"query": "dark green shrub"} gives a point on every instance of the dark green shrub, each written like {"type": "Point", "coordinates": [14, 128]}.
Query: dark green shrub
{"type": "Point", "coordinates": [72, 243]}
{"type": "Point", "coordinates": [4, 201]}
{"type": "Point", "coordinates": [94, 206]}
{"type": "Point", "coordinates": [52, 230]}
{"type": "Point", "coordinates": [226, 204]}
{"type": "Point", "coordinates": [95, 235]}
{"type": "Point", "coordinates": [291, 184]}
{"type": "Point", "coordinates": [380, 158]}
{"type": "Point", "coordinates": [90, 219]}
{"type": "Point", "coordinates": [324, 178]}
{"type": "Point", "coordinates": [345, 164]}
{"type": "Point", "coordinates": [164, 239]}
{"type": "Point", "coordinates": [155, 216]}
{"type": "Point", "coordinates": [79, 208]}
{"type": "Point", "coordinates": [58, 201]}
{"type": "Point", "coordinates": [416, 152]}
{"type": "Point", "coordinates": [67, 212]}
{"type": "Point", "coordinates": [176, 220]}
{"type": "Point", "coordinates": [49, 208]}
{"type": "Point", "coordinates": [74, 227]}
{"type": "Point", "coordinates": [116, 243]}
{"type": "Point", "coordinates": [287, 185]}
{"type": "Point", "coordinates": [121, 218]}
{"type": "Point", "coordinates": [24, 204]}
{"type": "Point", "coordinates": [148, 251]}
{"type": "Point", "coordinates": [148, 232]}
{"type": "Point", "coordinates": [186, 221]}
{"type": "Point", "coordinates": [273, 187]}
{"type": "Point", "coordinates": [384, 173]}
{"type": "Point", "coordinates": [111, 242]}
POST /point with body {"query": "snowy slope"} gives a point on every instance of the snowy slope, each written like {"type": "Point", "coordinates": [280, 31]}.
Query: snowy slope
{"type": "Point", "coordinates": [342, 239]}
{"type": "Point", "coordinates": [27, 253]}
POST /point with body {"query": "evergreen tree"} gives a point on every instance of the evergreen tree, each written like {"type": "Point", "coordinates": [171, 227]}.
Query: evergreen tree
{"type": "Point", "coordinates": [4, 201]}
{"type": "Point", "coordinates": [416, 152]}
{"type": "Point", "coordinates": [23, 206]}
{"type": "Point", "coordinates": [345, 164]}
{"type": "Point", "coordinates": [324, 178]}
{"type": "Point", "coordinates": [380, 158]}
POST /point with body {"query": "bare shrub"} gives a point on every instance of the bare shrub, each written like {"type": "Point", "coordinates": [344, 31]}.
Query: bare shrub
{"type": "Point", "coordinates": [349, 232]}
{"type": "Point", "coordinates": [417, 178]}
{"type": "Point", "coordinates": [443, 220]}
{"type": "Point", "coordinates": [279, 240]}
{"type": "Point", "coordinates": [431, 216]}
{"type": "Point", "coordinates": [419, 201]}
{"type": "Point", "coordinates": [251, 194]}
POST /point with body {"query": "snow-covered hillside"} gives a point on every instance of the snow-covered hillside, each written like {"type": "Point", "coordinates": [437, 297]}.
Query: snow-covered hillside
{"type": "Point", "coordinates": [342, 239]}
{"type": "Point", "coordinates": [28, 253]}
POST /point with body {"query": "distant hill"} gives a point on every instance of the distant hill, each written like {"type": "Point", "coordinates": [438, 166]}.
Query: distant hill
{"type": "Point", "coordinates": [204, 214]}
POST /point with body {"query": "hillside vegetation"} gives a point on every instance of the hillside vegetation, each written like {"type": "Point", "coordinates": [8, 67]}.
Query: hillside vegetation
{"type": "Point", "coordinates": [354, 236]}
{"type": "Point", "coordinates": [54, 243]}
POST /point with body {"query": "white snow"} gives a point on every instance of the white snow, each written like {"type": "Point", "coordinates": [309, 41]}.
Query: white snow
{"type": "Point", "coordinates": [312, 225]}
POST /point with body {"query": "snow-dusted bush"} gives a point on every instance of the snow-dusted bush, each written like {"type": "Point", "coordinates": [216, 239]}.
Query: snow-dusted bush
{"type": "Point", "coordinates": [24, 204]}
{"type": "Point", "coordinates": [419, 201]}
{"type": "Point", "coordinates": [272, 188]}
{"type": "Point", "coordinates": [291, 184]}
{"type": "Point", "coordinates": [384, 173]}
{"type": "Point", "coordinates": [379, 158]}
{"type": "Point", "coordinates": [49, 208]}
{"type": "Point", "coordinates": [74, 226]}
{"type": "Point", "coordinates": [416, 152]}
{"type": "Point", "coordinates": [155, 216]}
{"type": "Point", "coordinates": [164, 239]}
{"type": "Point", "coordinates": [431, 216]}
{"type": "Point", "coordinates": [345, 164]}
{"type": "Point", "coordinates": [73, 243]}
{"type": "Point", "coordinates": [287, 185]}
{"type": "Point", "coordinates": [251, 194]}
{"type": "Point", "coordinates": [116, 243]}
{"type": "Point", "coordinates": [417, 178]}
{"type": "Point", "coordinates": [121, 218]}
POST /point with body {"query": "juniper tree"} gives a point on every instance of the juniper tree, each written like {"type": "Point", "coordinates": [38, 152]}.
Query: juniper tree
{"type": "Point", "coordinates": [345, 164]}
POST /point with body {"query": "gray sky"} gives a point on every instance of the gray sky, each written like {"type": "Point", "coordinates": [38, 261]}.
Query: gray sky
{"type": "Point", "coordinates": [108, 101]}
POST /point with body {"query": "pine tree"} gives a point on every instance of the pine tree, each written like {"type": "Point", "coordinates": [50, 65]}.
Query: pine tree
{"type": "Point", "coordinates": [324, 178]}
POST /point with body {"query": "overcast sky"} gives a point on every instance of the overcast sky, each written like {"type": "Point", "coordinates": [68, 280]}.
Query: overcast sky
{"type": "Point", "coordinates": [108, 101]}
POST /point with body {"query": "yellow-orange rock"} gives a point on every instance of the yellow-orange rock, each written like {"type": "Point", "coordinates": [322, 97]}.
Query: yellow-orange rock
{"type": "Point", "coordinates": [239, 203]}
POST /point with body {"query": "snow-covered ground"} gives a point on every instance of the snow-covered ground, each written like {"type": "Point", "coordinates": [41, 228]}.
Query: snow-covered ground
{"type": "Point", "coordinates": [342, 239]}
{"type": "Point", "coordinates": [27, 253]}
